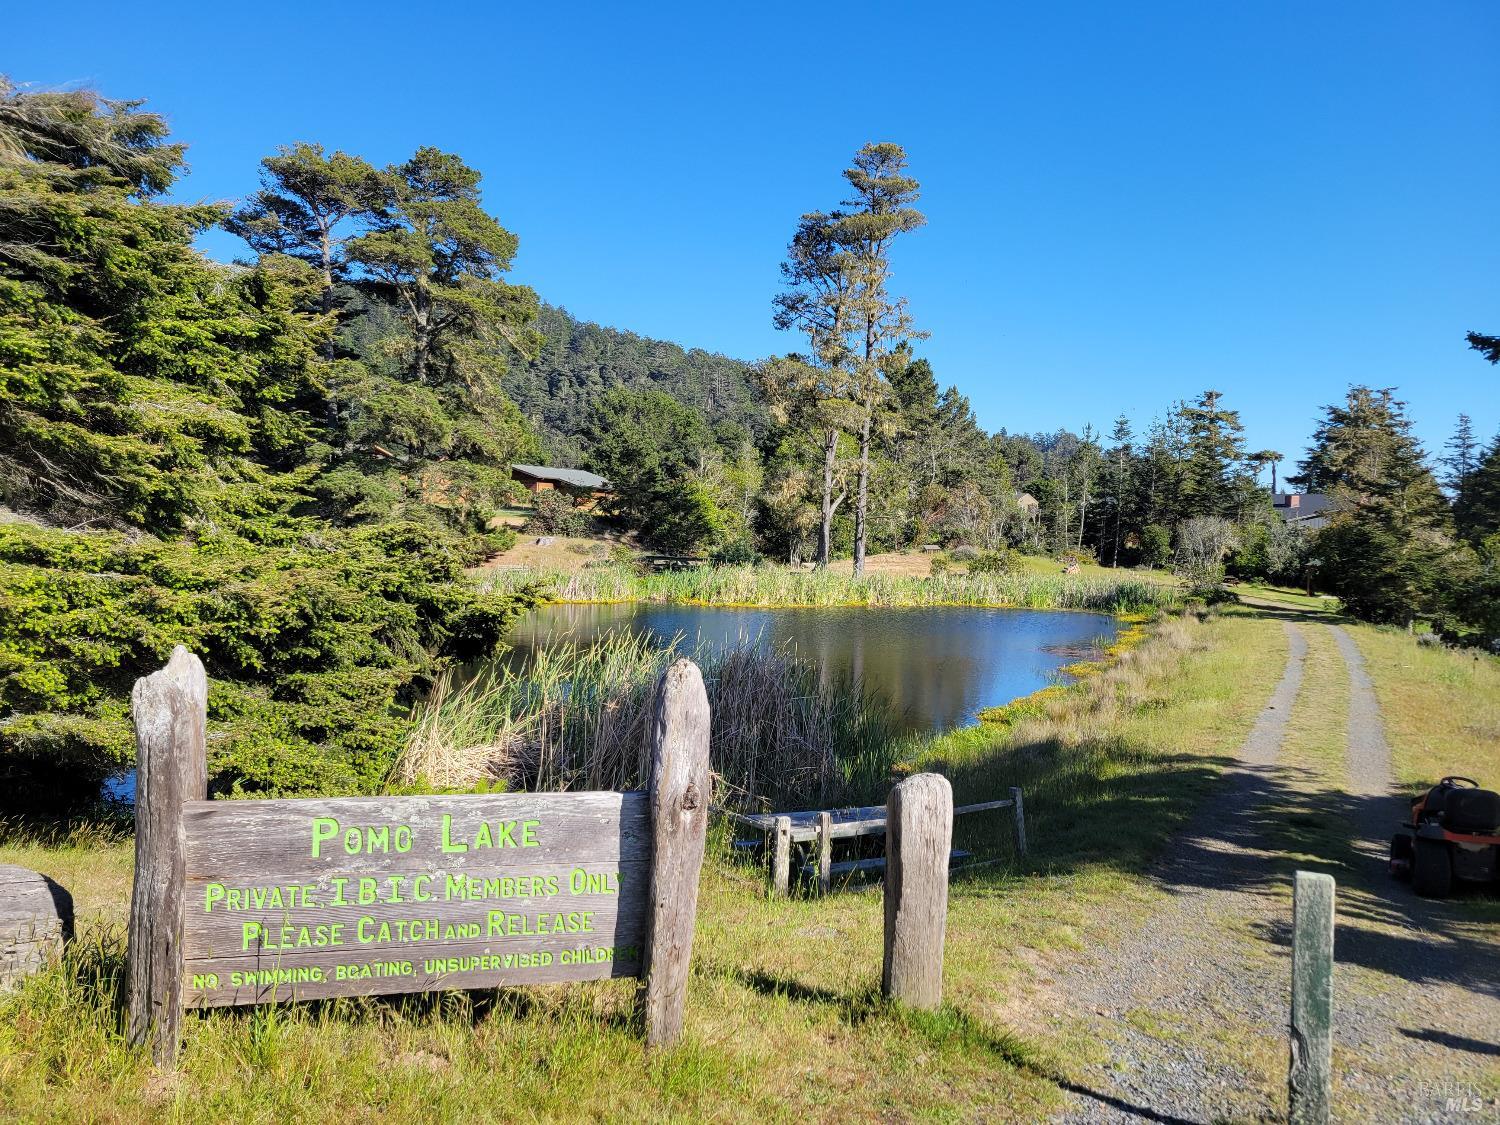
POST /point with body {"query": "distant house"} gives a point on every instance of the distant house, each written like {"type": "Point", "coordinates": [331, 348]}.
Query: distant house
{"type": "Point", "coordinates": [1307, 510]}
{"type": "Point", "coordinates": [1027, 503]}
{"type": "Point", "coordinates": [585, 487]}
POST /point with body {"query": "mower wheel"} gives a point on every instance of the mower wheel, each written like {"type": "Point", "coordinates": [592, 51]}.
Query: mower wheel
{"type": "Point", "coordinates": [1432, 869]}
{"type": "Point", "coordinates": [1401, 855]}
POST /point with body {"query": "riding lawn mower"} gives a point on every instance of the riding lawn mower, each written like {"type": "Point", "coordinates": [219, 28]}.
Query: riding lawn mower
{"type": "Point", "coordinates": [1454, 833]}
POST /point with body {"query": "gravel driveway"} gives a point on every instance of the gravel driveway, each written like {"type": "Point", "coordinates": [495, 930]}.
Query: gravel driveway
{"type": "Point", "coordinates": [1192, 1007]}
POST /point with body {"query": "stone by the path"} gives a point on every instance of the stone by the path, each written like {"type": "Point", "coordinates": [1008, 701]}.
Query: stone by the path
{"type": "Point", "coordinates": [36, 917]}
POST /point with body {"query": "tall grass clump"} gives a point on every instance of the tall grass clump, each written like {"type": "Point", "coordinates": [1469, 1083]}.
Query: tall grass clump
{"type": "Point", "coordinates": [771, 586]}
{"type": "Point", "coordinates": [575, 717]}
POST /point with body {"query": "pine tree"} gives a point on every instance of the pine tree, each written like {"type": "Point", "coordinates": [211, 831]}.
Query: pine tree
{"type": "Point", "coordinates": [139, 384]}
{"type": "Point", "coordinates": [815, 390]}
{"type": "Point", "coordinates": [1487, 346]}
{"type": "Point", "coordinates": [880, 211]}
{"type": "Point", "coordinates": [1120, 458]}
{"type": "Point", "coordinates": [1476, 508]}
{"type": "Point", "coordinates": [1462, 455]}
{"type": "Point", "coordinates": [1213, 473]}
{"type": "Point", "coordinates": [438, 260]}
{"type": "Point", "coordinates": [308, 207]}
{"type": "Point", "coordinates": [1385, 548]}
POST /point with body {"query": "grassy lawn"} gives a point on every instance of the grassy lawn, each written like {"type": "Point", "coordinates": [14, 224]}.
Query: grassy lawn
{"type": "Point", "coordinates": [1290, 597]}
{"type": "Point", "coordinates": [784, 1018]}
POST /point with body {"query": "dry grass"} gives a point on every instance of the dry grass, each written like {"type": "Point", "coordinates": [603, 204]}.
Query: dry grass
{"type": "Point", "coordinates": [576, 717]}
{"type": "Point", "coordinates": [1441, 706]}
{"type": "Point", "coordinates": [566, 554]}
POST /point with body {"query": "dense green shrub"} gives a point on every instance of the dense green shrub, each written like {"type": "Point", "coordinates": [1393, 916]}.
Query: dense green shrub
{"type": "Point", "coordinates": [1156, 546]}
{"type": "Point", "coordinates": [315, 642]}
{"type": "Point", "coordinates": [736, 552]}
{"type": "Point", "coordinates": [991, 562]}
{"type": "Point", "coordinates": [556, 514]}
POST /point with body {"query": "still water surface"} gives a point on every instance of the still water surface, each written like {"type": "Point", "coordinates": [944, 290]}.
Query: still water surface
{"type": "Point", "coordinates": [940, 666]}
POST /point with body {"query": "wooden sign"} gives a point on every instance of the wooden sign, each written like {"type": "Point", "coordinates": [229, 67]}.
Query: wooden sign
{"type": "Point", "coordinates": [245, 902]}
{"type": "Point", "coordinates": [305, 899]}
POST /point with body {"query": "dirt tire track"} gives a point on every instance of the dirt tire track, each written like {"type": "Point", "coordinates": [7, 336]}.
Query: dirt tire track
{"type": "Point", "coordinates": [1417, 983]}
{"type": "Point", "coordinates": [1179, 965]}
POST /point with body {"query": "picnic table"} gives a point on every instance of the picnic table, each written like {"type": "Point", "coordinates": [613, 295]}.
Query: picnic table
{"type": "Point", "coordinates": [823, 826]}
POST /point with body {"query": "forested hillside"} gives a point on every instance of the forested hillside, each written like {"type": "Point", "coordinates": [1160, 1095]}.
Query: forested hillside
{"type": "Point", "coordinates": [578, 361]}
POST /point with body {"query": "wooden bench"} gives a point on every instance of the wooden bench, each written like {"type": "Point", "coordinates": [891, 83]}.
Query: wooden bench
{"type": "Point", "coordinates": [825, 826]}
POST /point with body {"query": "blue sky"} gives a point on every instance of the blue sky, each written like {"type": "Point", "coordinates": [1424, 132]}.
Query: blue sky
{"type": "Point", "coordinates": [1127, 202]}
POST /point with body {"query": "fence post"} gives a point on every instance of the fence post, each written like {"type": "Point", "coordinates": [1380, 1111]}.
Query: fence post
{"type": "Point", "coordinates": [918, 837]}
{"type": "Point", "coordinates": [781, 856]}
{"type": "Point", "coordinates": [1015, 795]}
{"type": "Point", "coordinates": [825, 852]}
{"type": "Point", "coordinates": [169, 708]}
{"type": "Point", "coordinates": [1310, 1074]}
{"type": "Point", "coordinates": [679, 825]}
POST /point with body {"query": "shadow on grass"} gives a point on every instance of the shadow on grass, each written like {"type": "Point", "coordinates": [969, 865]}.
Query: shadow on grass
{"type": "Point", "coordinates": [947, 1029]}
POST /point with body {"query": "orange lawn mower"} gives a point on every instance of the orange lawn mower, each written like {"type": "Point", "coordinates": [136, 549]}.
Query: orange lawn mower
{"type": "Point", "coordinates": [1454, 833]}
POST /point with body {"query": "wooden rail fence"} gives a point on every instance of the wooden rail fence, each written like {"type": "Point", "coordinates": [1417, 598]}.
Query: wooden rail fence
{"type": "Point", "coordinates": [822, 827]}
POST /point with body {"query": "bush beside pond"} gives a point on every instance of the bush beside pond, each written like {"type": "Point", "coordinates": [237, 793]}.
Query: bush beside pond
{"type": "Point", "coordinates": [316, 643]}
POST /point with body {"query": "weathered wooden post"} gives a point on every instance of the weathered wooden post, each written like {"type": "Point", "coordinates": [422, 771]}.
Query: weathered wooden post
{"type": "Point", "coordinates": [825, 852]}
{"type": "Point", "coordinates": [781, 856]}
{"type": "Point", "coordinates": [1310, 1075]}
{"type": "Point", "coordinates": [918, 836]}
{"type": "Point", "coordinates": [1015, 795]}
{"type": "Point", "coordinates": [680, 794]}
{"type": "Point", "coordinates": [169, 708]}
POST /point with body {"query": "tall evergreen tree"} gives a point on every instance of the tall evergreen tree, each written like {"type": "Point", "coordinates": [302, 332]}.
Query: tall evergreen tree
{"type": "Point", "coordinates": [1487, 346]}
{"type": "Point", "coordinates": [425, 415]}
{"type": "Point", "coordinates": [1476, 508]}
{"type": "Point", "coordinates": [1213, 477]}
{"type": "Point", "coordinates": [439, 260]}
{"type": "Point", "coordinates": [1462, 455]}
{"type": "Point", "coordinates": [880, 211]}
{"type": "Point", "coordinates": [817, 300]}
{"type": "Point", "coordinates": [1120, 458]}
{"type": "Point", "coordinates": [309, 206]}
{"type": "Point", "coordinates": [1383, 551]}
{"type": "Point", "coordinates": [136, 379]}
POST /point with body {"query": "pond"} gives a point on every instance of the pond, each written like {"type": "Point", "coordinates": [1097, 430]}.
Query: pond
{"type": "Point", "coordinates": [940, 666]}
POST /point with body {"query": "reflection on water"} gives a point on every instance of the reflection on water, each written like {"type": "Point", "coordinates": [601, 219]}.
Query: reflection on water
{"type": "Point", "coordinates": [939, 665]}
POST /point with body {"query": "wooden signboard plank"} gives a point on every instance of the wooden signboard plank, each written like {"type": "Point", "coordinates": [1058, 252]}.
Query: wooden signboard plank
{"type": "Point", "coordinates": [244, 902]}
{"type": "Point", "coordinates": [315, 898]}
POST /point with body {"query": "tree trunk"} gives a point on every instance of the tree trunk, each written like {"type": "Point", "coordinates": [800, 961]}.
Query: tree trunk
{"type": "Point", "coordinates": [326, 246]}
{"type": "Point", "coordinates": [825, 531]}
{"type": "Point", "coordinates": [421, 335]}
{"type": "Point", "coordinates": [861, 501]}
